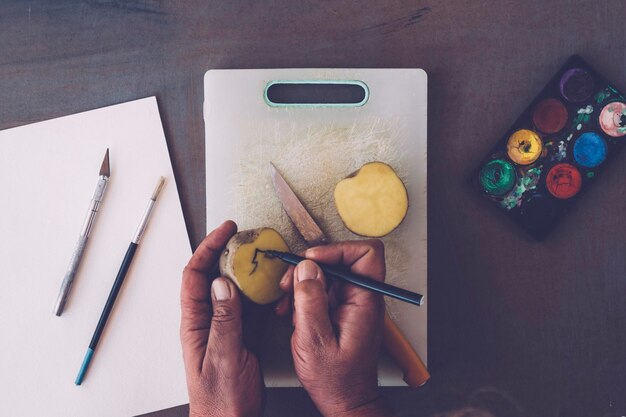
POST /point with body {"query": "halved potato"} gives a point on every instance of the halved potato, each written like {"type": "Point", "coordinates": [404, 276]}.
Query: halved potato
{"type": "Point", "coordinates": [256, 275]}
{"type": "Point", "coordinates": [373, 201]}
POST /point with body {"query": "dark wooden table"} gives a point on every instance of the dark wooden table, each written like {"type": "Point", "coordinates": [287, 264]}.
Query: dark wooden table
{"type": "Point", "coordinates": [543, 322]}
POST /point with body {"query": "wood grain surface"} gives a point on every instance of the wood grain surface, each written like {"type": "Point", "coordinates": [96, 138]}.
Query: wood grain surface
{"type": "Point", "coordinates": [523, 328]}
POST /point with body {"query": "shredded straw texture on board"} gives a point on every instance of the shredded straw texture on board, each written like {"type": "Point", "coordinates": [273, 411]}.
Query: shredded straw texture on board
{"type": "Point", "coordinates": [313, 160]}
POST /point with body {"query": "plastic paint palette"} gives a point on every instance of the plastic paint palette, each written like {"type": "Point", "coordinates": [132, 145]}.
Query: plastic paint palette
{"type": "Point", "coordinates": [555, 149]}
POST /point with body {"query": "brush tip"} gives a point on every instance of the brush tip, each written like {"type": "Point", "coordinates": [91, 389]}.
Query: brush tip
{"type": "Point", "coordinates": [158, 188]}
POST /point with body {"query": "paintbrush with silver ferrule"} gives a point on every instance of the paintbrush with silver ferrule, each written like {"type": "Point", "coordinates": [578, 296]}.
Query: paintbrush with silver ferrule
{"type": "Point", "coordinates": [119, 280]}
{"type": "Point", "coordinates": [79, 250]}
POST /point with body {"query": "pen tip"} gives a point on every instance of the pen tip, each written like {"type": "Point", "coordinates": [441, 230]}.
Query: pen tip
{"type": "Point", "coordinates": [158, 188]}
{"type": "Point", "coordinates": [105, 168]}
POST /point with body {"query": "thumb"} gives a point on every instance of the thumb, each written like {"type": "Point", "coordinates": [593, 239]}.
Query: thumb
{"type": "Point", "coordinates": [311, 319]}
{"type": "Point", "coordinates": [225, 333]}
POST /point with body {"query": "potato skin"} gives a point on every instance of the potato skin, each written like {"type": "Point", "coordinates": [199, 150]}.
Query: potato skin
{"type": "Point", "coordinates": [238, 239]}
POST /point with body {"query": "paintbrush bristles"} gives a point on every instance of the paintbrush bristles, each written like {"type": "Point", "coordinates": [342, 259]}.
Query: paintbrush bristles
{"type": "Point", "coordinates": [158, 188]}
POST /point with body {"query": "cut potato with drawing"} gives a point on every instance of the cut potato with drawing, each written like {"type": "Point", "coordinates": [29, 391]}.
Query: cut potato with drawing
{"type": "Point", "coordinates": [372, 201]}
{"type": "Point", "coordinates": [257, 276]}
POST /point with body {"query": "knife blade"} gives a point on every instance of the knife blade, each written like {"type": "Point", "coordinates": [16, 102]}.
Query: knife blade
{"type": "Point", "coordinates": [300, 217]}
{"type": "Point", "coordinates": [415, 373]}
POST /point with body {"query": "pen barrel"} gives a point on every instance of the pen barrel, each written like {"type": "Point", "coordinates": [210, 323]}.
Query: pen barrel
{"type": "Point", "coordinates": [117, 285]}
{"type": "Point", "coordinates": [94, 205]}
{"type": "Point", "coordinates": [290, 258]}
{"type": "Point", "coordinates": [358, 280]}
{"type": "Point", "coordinates": [372, 284]}
{"type": "Point", "coordinates": [66, 285]}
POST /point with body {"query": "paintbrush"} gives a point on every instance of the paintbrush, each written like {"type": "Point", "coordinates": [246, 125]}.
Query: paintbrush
{"type": "Point", "coordinates": [119, 280]}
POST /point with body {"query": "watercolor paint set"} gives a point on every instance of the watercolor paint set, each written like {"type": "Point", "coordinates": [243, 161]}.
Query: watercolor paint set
{"type": "Point", "coordinates": [556, 148]}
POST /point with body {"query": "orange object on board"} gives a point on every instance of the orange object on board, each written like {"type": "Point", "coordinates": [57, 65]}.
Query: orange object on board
{"type": "Point", "coordinates": [403, 354]}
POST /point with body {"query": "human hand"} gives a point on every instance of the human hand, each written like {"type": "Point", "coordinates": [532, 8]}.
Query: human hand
{"type": "Point", "coordinates": [338, 329]}
{"type": "Point", "coordinates": [223, 376]}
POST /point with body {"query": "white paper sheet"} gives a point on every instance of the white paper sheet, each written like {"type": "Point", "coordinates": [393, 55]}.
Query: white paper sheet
{"type": "Point", "coordinates": [48, 172]}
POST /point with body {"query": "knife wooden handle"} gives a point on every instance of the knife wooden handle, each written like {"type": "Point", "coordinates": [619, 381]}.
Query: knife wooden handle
{"type": "Point", "coordinates": [403, 354]}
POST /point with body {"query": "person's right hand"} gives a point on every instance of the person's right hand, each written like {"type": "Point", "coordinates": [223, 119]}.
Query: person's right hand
{"type": "Point", "coordinates": [338, 329]}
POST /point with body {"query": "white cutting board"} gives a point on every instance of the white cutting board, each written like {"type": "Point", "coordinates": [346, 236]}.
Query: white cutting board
{"type": "Point", "coordinates": [314, 147]}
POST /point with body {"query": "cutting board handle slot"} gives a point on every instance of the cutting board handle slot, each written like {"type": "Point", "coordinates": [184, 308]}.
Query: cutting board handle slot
{"type": "Point", "coordinates": [316, 93]}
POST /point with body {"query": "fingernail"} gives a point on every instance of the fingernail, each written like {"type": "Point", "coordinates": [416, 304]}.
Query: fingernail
{"type": "Point", "coordinates": [306, 270]}
{"type": "Point", "coordinates": [221, 291]}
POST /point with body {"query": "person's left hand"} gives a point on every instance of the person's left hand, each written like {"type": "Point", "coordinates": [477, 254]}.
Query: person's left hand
{"type": "Point", "coordinates": [223, 376]}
